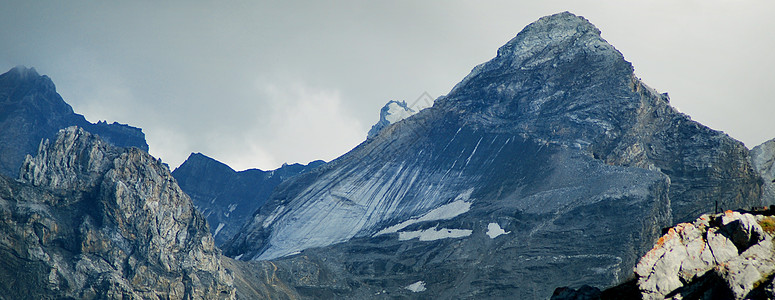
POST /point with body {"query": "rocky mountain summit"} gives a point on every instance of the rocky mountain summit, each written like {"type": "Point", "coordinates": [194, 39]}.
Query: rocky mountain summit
{"type": "Point", "coordinates": [391, 113]}
{"type": "Point", "coordinates": [89, 220]}
{"type": "Point", "coordinates": [548, 165]}
{"type": "Point", "coordinates": [31, 110]}
{"type": "Point", "coordinates": [228, 198]}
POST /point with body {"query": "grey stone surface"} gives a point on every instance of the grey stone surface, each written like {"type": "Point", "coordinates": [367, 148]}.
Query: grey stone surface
{"type": "Point", "coordinates": [724, 253]}
{"type": "Point", "coordinates": [763, 158]}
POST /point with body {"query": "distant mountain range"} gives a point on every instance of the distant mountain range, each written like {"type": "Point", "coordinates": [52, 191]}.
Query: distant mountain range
{"type": "Point", "coordinates": [551, 165]}
{"type": "Point", "coordinates": [31, 110]}
{"type": "Point", "coordinates": [226, 197]}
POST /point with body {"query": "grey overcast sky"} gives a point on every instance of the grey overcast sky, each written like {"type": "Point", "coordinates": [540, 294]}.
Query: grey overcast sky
{"type": "Point", "coordinates": [255, 84]}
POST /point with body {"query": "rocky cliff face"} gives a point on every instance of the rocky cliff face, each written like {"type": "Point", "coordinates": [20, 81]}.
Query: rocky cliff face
{"type": "Point", "coordinates": [763, 158]}
{"type": "Point", "coordinates": [89, 220]}
{"type": "Point", "coordinates": [228, 198]}
{"type": "Point", "coordinates": [31, 110]}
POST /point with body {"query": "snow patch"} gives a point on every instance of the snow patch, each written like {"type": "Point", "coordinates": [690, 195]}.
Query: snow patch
{"type": "Point", "coordinates": [391, 113]}
{"type": "Point", "coordinates": [232, 207]}
{"type": "Point", "coordinates": [217, 230]}
{"type": "Point", "coordinates": [494, 230]}
{"type": "Point", "coordinates": [444, 212]}
{"type": "Point", "coordinates": [277, 211]}
{"type": "Point", "coordinates": [398, 111]}
{"type": "Point", "coordinates": [465, 195]}
{"type": "Point", "coordinates": [472, 153]}
{"type": "Point", "coordinates": [238, 256]}
{"type": "Point", "coordinates": [416, 287]}
{"type": "Point", "coordinates": [432, 234]}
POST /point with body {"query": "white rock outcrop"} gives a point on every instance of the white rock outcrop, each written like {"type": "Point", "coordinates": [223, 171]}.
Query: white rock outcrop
{"type": "Point", "coordinates": [391, 113]}
{"type": "Point", "coordinates": [731, 246]}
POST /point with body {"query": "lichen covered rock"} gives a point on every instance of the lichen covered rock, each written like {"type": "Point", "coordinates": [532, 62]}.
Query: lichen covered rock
{"type": "Point", "coordinates": [728, 253]}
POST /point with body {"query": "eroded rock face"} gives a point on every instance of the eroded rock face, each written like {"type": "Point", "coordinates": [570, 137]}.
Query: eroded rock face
{"type": "Point", "coordinates": [725, 254]}
{"type": "Point", "coordinates": [763, 158]}
{"type": "Point", "coordinates": [89, 220]}
{"type": "Point", "coordinates": [31, 110]}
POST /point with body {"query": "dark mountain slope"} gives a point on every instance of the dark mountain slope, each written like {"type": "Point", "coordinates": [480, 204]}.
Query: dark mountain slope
{"type": "Point", "coordinates": [226, 197]}
{"type": "Point", "coordinates": [31, 110]}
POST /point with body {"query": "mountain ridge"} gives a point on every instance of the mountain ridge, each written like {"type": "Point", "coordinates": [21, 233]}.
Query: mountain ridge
{"type": "Point", "coordinates": [226, 197]}
{"type": "Point", "coordinates": [31, 110]}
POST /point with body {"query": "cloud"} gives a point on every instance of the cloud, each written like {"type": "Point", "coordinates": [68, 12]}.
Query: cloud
{"type": "Point", "coordinates": [256, 83]}
{"type": "Point", "coordinates": [304, 118]}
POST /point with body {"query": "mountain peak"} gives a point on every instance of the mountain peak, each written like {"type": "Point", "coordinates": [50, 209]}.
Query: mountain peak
{"type": "Point", "coordinates": [392, 112]}
{"type": "Point", "coordinates": [550, 31]}
{"type": "Point", "coordinates": [74, 160]}
{"type": "Point", "coordinates": [200, 158]}
{"type": "Point", "coordinates": [562, 41]}
{"type": "Point", "coordinates": [24, 75]}
{"type": "Point", "coordinates": [24, 71]}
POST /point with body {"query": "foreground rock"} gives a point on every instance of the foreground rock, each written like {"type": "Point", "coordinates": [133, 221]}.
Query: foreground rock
{"type": "Point", "coordinates": [91, 221]}
{"type": "Point", "coordinates": [228, 198]}
{"type": "Point", "coordinates": [727, 255]}
{"type": "Point", "coordinates": [31, 110]}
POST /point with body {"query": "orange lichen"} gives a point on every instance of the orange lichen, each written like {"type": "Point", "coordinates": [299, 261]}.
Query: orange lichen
{"type": "Point", "coordinates": [661, 241]}
{"type": "Point", "coordinates": [671, 233]}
